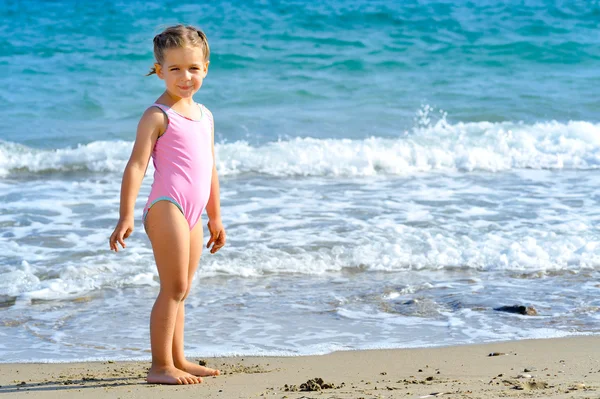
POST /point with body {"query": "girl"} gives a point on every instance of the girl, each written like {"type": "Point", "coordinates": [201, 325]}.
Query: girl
{"type": "Point", "coordinates": [179, 134]}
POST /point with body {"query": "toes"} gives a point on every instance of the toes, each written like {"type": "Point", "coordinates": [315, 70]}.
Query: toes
{"type": "Point", "coordinates": [183, 380]}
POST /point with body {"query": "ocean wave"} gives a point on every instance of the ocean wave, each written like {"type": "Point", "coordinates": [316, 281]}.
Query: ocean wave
{"type": "Point", "coordinates": [530, 258]}
{"type": "Point", "coordinates": [98, 156]}
{"type": "Point", "coordinates": [441, 146]}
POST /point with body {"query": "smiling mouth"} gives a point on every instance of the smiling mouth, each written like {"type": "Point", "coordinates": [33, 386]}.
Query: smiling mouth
{"type": "Point", "coordinates": [185, 87]}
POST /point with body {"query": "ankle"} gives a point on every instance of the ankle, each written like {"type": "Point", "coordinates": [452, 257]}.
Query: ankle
{"type": "Point", "coordinates": [161, 366]}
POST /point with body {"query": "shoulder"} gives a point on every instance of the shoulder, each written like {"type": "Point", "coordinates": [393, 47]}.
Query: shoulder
{"type": "Point", "coordinates": [154, 113]}
{"type": "Point", "coordinates": [154, 119]}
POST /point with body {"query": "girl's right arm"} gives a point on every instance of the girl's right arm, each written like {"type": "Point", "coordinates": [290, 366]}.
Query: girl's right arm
{"type": "Point", "coordinates": [151, 125]}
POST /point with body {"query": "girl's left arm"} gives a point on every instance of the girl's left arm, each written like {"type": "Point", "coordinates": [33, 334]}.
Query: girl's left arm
{"type": "Point", "coordinates": [213, 207]}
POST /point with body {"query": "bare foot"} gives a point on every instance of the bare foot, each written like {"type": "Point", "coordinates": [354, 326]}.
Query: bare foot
{"type": "Point", "coordinates": [172, 376]}
{"type": "Point", "coordinates": [197, 370]}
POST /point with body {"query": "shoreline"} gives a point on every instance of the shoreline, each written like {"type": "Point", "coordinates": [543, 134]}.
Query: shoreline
{"type": "Point", "coordinates": [295, 355]}
{"type": "Point", "coordinates": [556, 368]}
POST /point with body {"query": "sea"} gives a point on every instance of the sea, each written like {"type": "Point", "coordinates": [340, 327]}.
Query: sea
{"type": "Point", "coordinates": [391, 173]}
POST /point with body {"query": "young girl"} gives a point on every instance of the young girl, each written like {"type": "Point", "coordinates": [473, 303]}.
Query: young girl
{"type": "Point", "coordinates": [179, 134]}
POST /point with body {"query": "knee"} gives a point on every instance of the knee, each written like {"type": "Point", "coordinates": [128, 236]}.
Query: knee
{"type": "Point", "coordinates": [187, 292]}
{"type": "Point", "coordinates": [176, 290]}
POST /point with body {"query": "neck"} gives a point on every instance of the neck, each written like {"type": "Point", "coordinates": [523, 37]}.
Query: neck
{"type": "Point", "coordinates": [173, 99]}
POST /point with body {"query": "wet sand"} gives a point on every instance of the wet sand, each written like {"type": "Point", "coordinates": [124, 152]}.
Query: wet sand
{"type": "Point", "coordinates": [549, 368]}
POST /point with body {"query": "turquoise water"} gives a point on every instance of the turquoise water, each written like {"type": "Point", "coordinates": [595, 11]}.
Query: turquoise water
{"type": "Point", "coordinates": [292, 69]}
{"type": "Point", "coordinates": [390, 173]}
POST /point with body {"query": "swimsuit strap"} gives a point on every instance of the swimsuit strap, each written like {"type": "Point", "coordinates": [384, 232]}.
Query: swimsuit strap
{"type": "Point", "coordinates": [206, 112]}
{"type": "Point", "coordinates": [163, 107]}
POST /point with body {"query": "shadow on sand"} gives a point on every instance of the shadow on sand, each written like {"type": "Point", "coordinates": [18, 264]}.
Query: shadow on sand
{"type": "Point", "coordinates": [71, 384]}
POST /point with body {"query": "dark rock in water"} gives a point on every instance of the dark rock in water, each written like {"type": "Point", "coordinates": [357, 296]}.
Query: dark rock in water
{"type": "Point", "coordinates": [7, 301]}
{"type": "Point", "coordinates": [419, 307]}
{"type": "Point", "coordinates": [520, 309]}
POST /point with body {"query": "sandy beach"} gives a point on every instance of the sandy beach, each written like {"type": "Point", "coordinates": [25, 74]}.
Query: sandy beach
{"type": "Point", "coordinates": [547, 368]}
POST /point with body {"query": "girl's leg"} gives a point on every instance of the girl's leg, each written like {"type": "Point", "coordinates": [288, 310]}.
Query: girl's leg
{"type": "Point", "coordinates": [170, 237]}
{"type": "Point", "coordinates": [196, 243]}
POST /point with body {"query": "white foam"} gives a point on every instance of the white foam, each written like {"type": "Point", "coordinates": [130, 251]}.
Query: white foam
{"type": "Point", "coordinates": [98, 156]}
{"type": "Point", "coordinates": [462, 147]}
{"type": "Point", "coordinates": [60, 229]}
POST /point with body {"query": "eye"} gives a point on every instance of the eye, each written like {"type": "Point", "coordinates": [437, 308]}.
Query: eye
{"type": "Point", "coordinates": [174, 69]}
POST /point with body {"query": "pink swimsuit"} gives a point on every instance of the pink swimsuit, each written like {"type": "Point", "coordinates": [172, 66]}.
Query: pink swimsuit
{"type": "Point", "coordinates": [183, 164]}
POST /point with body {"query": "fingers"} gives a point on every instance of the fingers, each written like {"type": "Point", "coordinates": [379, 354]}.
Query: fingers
{"type": "Point", "coordinates": [119, 236]}
{"type": "Point", "coordinates": [121, 241]}
{"type": "Point", "coordinates": [217, 238]}
{"type": "Point", "coordinates": [127, 233]}
{"type": "Point", "coordinates": [219, 242]}
{"type": "Point", "coordinates": [218, 245]}
{"type": "Point", "coordinates": [112, 242]}
{"type": "Point", "coordinates": [210, 241]}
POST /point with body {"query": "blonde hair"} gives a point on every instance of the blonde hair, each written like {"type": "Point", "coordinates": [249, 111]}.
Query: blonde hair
{"type": "Point", "coordinates": [178, 36]}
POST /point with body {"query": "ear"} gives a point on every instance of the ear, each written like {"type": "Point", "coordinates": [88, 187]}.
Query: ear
{"type": "Point", "coordinates": [206, 68]}
{"type": "Point", "coordinates": [159, 71]}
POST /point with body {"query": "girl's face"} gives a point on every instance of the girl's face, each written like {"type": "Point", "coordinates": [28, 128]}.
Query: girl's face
{"type": "Point", "coordinates": [183, 71]}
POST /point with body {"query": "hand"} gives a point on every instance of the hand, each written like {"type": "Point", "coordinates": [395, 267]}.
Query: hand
{"type": "Point", "coordinates": [122, 231]}
{"type": "Point", "coordinates": [217, 235]}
